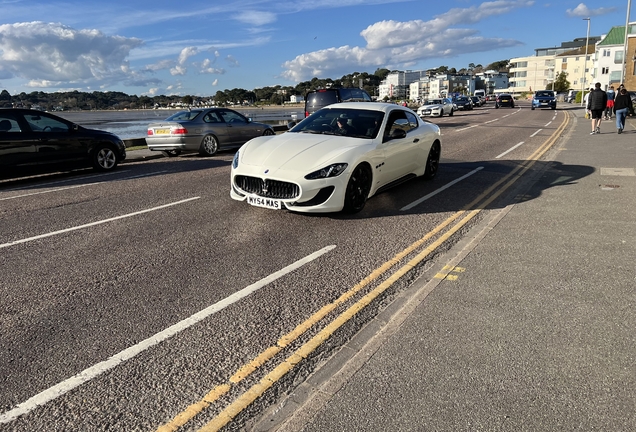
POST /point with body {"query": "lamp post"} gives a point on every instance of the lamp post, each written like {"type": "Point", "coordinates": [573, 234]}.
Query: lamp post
{"type": "Point", "coordinates": [629, 7]}
{"type": "Point", "coordinates": [587, 42]}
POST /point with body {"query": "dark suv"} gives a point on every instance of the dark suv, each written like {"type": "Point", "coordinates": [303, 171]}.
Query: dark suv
{"type": "Point", "coordinates": [505, 99]}
{"type": "Point", "coordinates": [317, 99]}
{"type": "Point", "coordinates": [544, 99]}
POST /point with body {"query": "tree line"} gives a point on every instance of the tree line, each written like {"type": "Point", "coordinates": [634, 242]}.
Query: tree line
{"type": "Point", "coordinates": [273, 95]}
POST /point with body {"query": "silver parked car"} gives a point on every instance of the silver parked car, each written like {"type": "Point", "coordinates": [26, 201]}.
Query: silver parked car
{"type": "Point", "coordinates": [205, 130]}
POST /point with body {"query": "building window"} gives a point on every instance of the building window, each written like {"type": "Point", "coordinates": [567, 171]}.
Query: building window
{"type": "Point", "coordinates": [618, 57]}
{"type": "Point", "coordinates": [565, 60]}
{"type": "Point", "coordinates": [606, 53]}
{"type": "Point", "coordinates": [604, 71]}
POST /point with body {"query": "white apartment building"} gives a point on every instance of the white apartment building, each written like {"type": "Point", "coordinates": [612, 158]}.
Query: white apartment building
{"type": "Point", "coordinates": [397, 84]}
{"type": "Point", "coordinates": [532, 73]}
{"type": "Point", "coordinates": [579, 66]}
{"type": "Point", "coordinates": [609, 56]}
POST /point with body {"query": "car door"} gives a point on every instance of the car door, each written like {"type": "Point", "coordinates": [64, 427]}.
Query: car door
{"type": "Point", "coordinates": [238, 127]}
{"type": "Point", "coordinates": [56, 141]}
{"type": "Point", "coordinates": [17, 146]}
{"type": "Point", "coordinates": [399, 152]}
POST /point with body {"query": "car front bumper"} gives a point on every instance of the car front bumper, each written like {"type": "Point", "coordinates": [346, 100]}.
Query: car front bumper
{"type": "Point", "coordinates": [313, 196]}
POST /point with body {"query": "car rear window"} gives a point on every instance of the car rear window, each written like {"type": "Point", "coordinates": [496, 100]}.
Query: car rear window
{"type": "Point", "coordinates": [322, 98]}
{"type": "Point", "coordinates": [184, 115]}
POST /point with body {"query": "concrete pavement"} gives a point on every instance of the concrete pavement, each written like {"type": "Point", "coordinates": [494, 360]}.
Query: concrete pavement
{"type": "Point", "coordinates": [536, 330]}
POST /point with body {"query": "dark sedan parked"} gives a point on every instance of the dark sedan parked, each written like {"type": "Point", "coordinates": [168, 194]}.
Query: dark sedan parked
{"type": "Point", "coordinates": [505, 99]}
{"type": "Point", "coordinates": [463, 103]}
{"type": "Point", "coordinates": [32, 140]}
{"type": "Point", "coordinates": [203, 130]}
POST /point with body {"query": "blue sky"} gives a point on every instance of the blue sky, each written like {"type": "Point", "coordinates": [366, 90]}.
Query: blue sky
{"type": "Point", "coordinates": [197, 48]}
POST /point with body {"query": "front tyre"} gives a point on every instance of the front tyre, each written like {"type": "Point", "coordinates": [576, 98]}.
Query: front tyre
{"type": "Point", "coordinates": [209, 146]}
{"type": "Point", "coordinates": [451, 113]}
{"type": "Point", "coordinates": [358, 189]}
{"type": "Point", "coordinates": [104, 158]}
{"type": "Point", "coordinates": [269, 132]}
{"type": "Point", "coordinates": [432, 162]}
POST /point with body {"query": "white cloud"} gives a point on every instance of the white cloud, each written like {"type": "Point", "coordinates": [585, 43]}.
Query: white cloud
{"type": "Point", "coordinates": [256, 18]}
{"type": "Point", "coordinates": [206, 68]}
{"type": "Point", "coordinates": [232, 61]}
{"type": "Point", "coordinates": [398, 44]}
{"type": "Point", "coordinates": [41, 52]}
{"type": "Point", "coordinates": [215, 82]}
{"type": "Point", "coordinates": [582, 11]}
{"type": "Point", "coordinates": [186, 53]}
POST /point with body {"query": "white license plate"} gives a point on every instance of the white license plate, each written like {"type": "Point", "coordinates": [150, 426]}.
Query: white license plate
{"type": "Point", "coordinates": [264, 202]}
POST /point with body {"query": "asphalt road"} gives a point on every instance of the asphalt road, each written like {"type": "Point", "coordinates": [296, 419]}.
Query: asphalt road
{"type": "Point", "coordinates": [131, 296]}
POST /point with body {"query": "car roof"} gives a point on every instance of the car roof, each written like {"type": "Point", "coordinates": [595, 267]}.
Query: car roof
{"type": "Point", "coordinates": [371, 106]}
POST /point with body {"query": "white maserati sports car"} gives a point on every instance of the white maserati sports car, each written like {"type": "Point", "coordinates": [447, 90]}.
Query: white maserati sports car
{"type": "Point", "coordinates": [335, 159]}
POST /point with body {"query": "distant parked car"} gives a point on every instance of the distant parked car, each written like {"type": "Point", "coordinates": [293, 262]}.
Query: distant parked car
{"type": "Point", "coordinates": [205, 130]}
{"type": "Point", "coordinates": [505, 99]}
{"type": "Point", "coordinates": [436, 108]}
{"type": "Point", "coordinates": [571, 97]}
{"type": "Point", "coordinates": [477, 101]}
{"type": "Point", "coordinates": [32, 140]}
{"type": "Point", "coordinates": [544, 99]}
{"type": "Point", "coordinates": [463, 103]}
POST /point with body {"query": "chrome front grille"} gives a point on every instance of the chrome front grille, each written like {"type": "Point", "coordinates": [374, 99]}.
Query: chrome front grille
{"type": "Point", "coordinates": [267, 188]}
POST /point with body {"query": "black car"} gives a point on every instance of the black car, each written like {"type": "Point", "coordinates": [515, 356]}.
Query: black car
{"type": "Point", "coordinates": [32, 140]}
{"type": "Point", "coordinates": [463, 103]}
{"type": "Point", "coordinates": [505, 99]}
{"type": "Point", "coordinates": [317, 99]}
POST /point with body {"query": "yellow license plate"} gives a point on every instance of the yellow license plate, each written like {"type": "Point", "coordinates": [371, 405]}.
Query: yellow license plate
{"type": "Point", "coordinates": [162, 131]}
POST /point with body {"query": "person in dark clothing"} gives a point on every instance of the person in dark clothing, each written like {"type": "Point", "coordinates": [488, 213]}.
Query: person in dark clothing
{"type": "Point", "coordinates": [596, 104]}
{"type": "Point", "coordinates": [622, 107]}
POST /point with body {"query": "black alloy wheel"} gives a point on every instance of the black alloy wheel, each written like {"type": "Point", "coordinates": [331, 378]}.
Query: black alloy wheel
{"type": "Point", "coordinates": [268, 132]}
{"type": "Point", "coordinates": [104, 158]}
{"type": "Point", "coordinates": [432, 162]}
{"type": "Point", "coordinates": [357, 189]}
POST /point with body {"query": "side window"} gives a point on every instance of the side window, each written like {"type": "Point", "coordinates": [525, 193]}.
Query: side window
{"type": "Point", "coordinates": [412, 119]}
{"type": "Point", "coordinates": [232, 117]}
{"type": "Point", "coordinates": [212, 117]}
{"type": "Point", "coordinates": [9, 124]}
{"type": "Point", "coordinates": [42, 123]}
{"type": "Point", "coordinates": [397, 120]}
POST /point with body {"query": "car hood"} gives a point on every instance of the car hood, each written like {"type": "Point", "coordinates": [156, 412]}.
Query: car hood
{"type": "Point", "coordinates": [430, 106]}
{"type": "Point", "coordinates": [300, 152]}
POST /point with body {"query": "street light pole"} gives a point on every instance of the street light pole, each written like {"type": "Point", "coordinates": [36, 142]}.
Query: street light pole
{"type": "Point", "coordinates": [629, 7]}
{"type": "Point", "coordinates": [587, 42]}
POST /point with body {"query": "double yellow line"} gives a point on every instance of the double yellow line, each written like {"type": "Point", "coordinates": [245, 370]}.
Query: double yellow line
{"type": "Point", "coordinates": [257, 390]}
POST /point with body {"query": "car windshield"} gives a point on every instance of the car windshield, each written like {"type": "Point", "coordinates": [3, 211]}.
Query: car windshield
{"type": "Point", "coordinates": [434, 101]}
{"type": "Point", "coordinates": [357, 123]}
{"type": "Point", "coordinates": [184, 115]}
{"type": "Point", "coordinates": [544, 94]}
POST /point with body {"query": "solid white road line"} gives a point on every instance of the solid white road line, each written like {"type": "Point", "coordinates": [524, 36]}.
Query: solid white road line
{"type": "Point", "coordinates": [533, 135]}
{"type": "Point", "coordinates": [78, 186]}
{"type": "Point", "coordinates": [15, 242]}
{"type": "Point", "coordinates": [432, 194]}
{"type": "Point", "coordinates": [96, 370]}
{"type": "Point", "coordinates": [509, 150]}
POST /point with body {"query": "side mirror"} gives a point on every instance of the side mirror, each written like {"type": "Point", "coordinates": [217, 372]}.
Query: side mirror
{"type": "Point", "coordinates": [398, 134]}
{"type": "Point", "coordinates": [291, 124]}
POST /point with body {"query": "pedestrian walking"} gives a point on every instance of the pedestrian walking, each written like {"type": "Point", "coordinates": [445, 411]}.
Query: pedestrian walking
{"type": "Point", "coordinates": [622, 107]}
{"type": "Point", "coordinates": [611, 95]}
{"type": "Point", "coordinates": [596, 104]}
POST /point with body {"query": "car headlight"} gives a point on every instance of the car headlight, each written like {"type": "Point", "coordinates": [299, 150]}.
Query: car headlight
{"type": "Point", "coordinates": [235, 161]}
{"type": "Point", "coordinates": [326, 172]}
